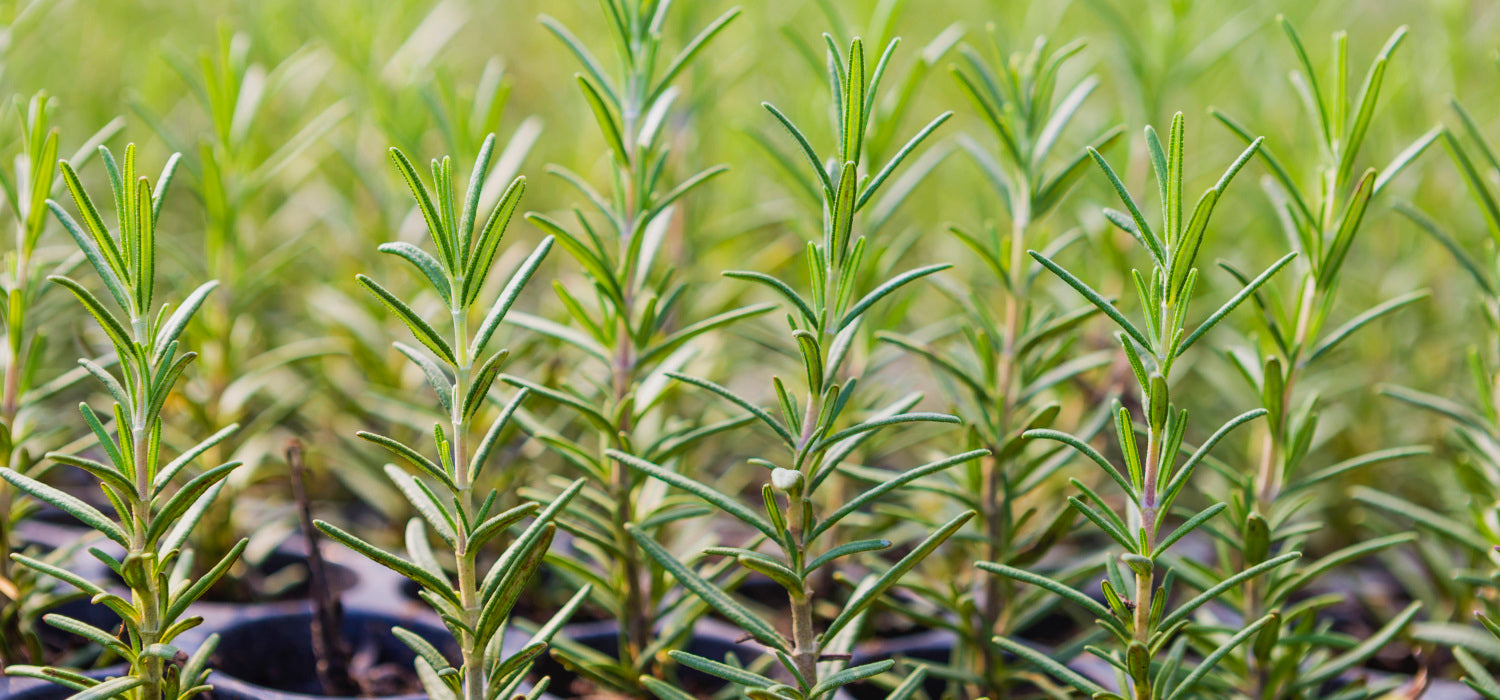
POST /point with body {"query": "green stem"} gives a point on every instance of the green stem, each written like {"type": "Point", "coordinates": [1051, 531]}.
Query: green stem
{"type": "Point", "coordinates": [465, 560]}
{"type": "Point", "coordinates": [805, 647]}
{"type": "Point", "coordinates": [147, 667]}
{"type": "Point", "coordinates": [1142, 625]}
{"type": "Point", "coordinates": [995, 500]}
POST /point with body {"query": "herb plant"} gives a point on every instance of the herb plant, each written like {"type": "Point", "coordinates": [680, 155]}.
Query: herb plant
{"type": "Point", "coordinates": [1297, 653]}
{"type": "Point", "coordinates": [1468, 577]}
{"type": "Point", "coordinates": [1149, 644]}
{"type": "Point", "coordinates": [26, 391]}
{"type": "Point", "coordinates": [1004, 366]}
{"type": "Point", "coordinates": [154, 511]}
{"type": "Point", "coordinates": [823, 322]}
{"type": "Point", "coordinates": [629, 337]}
{"type": "Point", "coordinates": [236, 170]}
{"type": "Point", "coordinates": [477, 607]}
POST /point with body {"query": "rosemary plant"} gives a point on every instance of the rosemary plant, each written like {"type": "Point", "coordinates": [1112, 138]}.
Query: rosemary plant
{"type": "Point", "coordinates": [477, 607]}
{"type": "Point", "coordinates": [1468, 578]}
{"type": "Point", "coordinates": [152, 518]}
{"type": "Point", "coordinates": [1150, 647]}
{"type": "Point", "coordinates": [237, 171]}
{"type": "Point", "coordinates": [1297, 653]}
{"type": "Point", "coordinates": [26, 390]}
{"type": "Point", "coordinates": [1004, 367]}
{"type": "Point", "coordinates": [629, 336]}
{"type": "Point", "coordinates": [823, 322]}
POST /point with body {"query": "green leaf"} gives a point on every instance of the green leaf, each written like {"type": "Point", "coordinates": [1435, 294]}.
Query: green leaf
{"type": "Point", "coordinates": [1330, 669]}
{"type": "Point", "coordinates": [691, 50]}
{"type": "Point", "coordinates": [1094, 298]}
{"type": "Point", "coordinates": [1213, 659]}
{"type": "Point", "coordinates": [488, 245]}
{"type": "Point", "coordinates": [425, 503]}
{"type": "Point", "coordinates": [1218, 589]}
{"type": "Point", "coordinates": [112, 688]}
{"type": "Point", "coordinates": [1332, 560]}
{"type": "Point", "coordinates": [1354, 324]}
{"type": "Point", "coordinates": [1343, 238]}
{"type": "Point", "coordinates": [896, 160]}
{"type": "Point", "coordinates": [740, 401]}
{"type": "Point", "coordinates": [804, 146]}
{"type": "Point", "coordinates": [425, 264]}
{"type": "Point", "coordinates": [1180, 478]}
{"type": "Point", "coordinates": [1192, 524]}
{"type": "Point", "coordinates": [497, 524]}
{"type": "Point", "coordinates": [605, 117]}
{"type": "Point", "coordinates": [877, 423]}
{"type": "Point", "coordinates": [853, 131]}
{"type": "Point", "coordinates": [165, 476]}
{"type": "Point", "coordinates": [423, 649]}
{"type": "Point", "coordinates": [1436, 523]}
{"type": "Point", "coordinates": [781, 288]}
{"type": "Point", "coordinates": [709, 593]}
{"type": "Point", "coordinates": [72, 505]}
{"type": "Point", "coordinates": [729, 504]}
{"type": "Point", "coordinates": [663, 689]}
{"type": "Point", "coordinates": [1143, 230]}
{"type": "Point", "coordinates": [1476, 676]}
{"type": "Point", "coordinates": [670, 343]}
{"type": "Point", "coordinates": [187, 596]}
{"type": "Point", "coordinates": [436, 377]}
{"type": "Point", "coordinates": [59, 573]}
{"type": "Point", "coordinates": [1087, 451]}
{"type": "Point", "coordinates": [1369, 96]}
{"type": "Point", "coordinates": [1239, 297]}
{"type": "Point", "coordinates": [841, 216]}
{"type": "Point", "coordinates": [854, 504]}
{"type": "Point", "coordinates": [440, 235]}
{"type": "Point", "coordinates": [885, 289]}
{"type": "Point", "coordinates": [172, 328]}
{"type": "Point", "coordinates": [866, 596]}
{"type": "Point", "coordinates": [1356, 462]}
{"type": "Point", "coordinates": [401, 566]}
{"type": "Point", "coordinates": [420, 329]}
{"type": "Point", "coordinates": [507, 297]}
{"type": "Point", "coordinates": [847, 549]}
{"type": "Point", "coordinates": [499, 601]}
{"type": "Point", "coordinates": [1051, 666]}
{"type": "Point", "coordinates": [413, 457]}
{"type": "Point", "coordinates": [733, 674]}
{"type": "Point", "coordinates": [118, 335]}
{"type": "Point", "coordinates": [168, 513]}
{"type": "Point", "coordinates": [584, 408]}
{"type": "Point", "coordinates": [1062, 590]}
{"type": "Point", "coordinates": [87, 631]}
{"type": "Point", "coordinates": [834, 681]}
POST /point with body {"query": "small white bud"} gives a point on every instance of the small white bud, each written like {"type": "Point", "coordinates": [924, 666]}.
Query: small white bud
{"type": "Point", "coordinates": [785, 480]}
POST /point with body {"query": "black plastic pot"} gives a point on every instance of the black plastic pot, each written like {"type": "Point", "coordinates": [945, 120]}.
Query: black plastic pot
{"type": "Point", "coordinates": [270, 657]}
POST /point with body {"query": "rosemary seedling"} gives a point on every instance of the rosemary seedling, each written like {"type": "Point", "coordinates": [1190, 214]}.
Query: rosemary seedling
{"type": "Point", "coordinates": [629, 336]}
{"type": "Point", "coordinates": [26, 391]}
{"type": "Point", "coordinates": [823, 322]}
{"type": "Point", "coordinates": [1149, 651]}
{"type": "Point", "coordinates": [154, 510]}
{"type": "Point", "coordinates": [1266, 504]}
{"type": "Point", "coordinates": [462, 371]}
{"type": "Point", "coordinates": [246, 374]}
{"type": "Point", "coordinates": [1005, 366]}
{"type": "Point", "coordinates": [1468, 578]}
